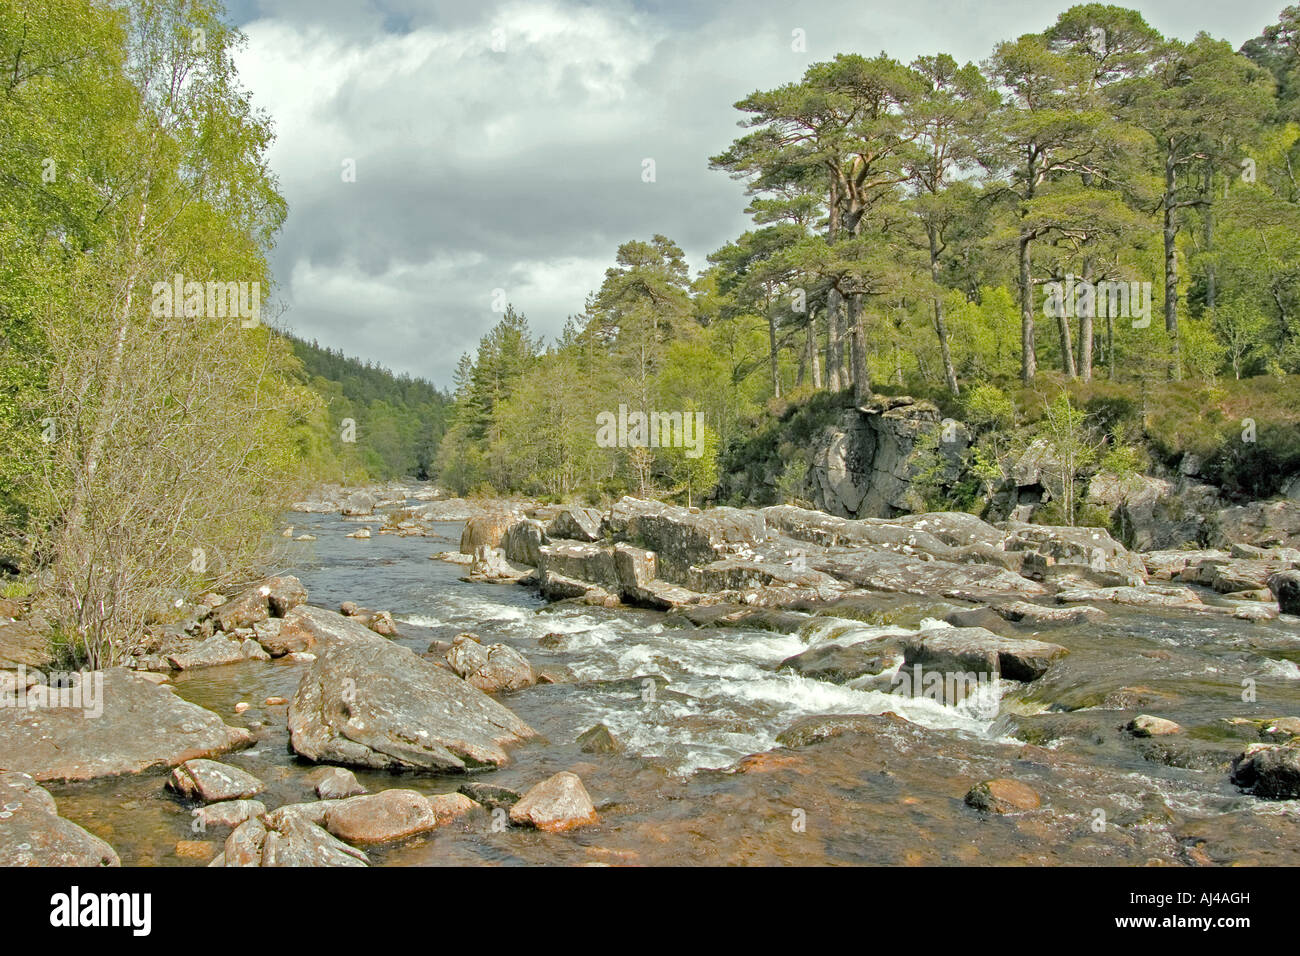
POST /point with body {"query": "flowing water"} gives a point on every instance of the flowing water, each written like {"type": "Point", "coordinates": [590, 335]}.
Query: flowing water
{"type": "Point", "coordinates": [690, 706]}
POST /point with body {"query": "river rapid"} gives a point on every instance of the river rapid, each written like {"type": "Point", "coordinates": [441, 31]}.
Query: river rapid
{"type": "Point", "coordinates": [701, 779]}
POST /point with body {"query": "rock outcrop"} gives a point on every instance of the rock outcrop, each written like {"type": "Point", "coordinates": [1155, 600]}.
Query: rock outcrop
{"type": "Point", "coordinates": [33, 834]}
{"type": "Point", "coordinates": [142, 725]}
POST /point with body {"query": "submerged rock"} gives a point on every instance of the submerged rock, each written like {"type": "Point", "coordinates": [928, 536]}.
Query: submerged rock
{"type": "Point", "coordinates": [1002, 795]}
{"type": "Point", "coordinates": [371, 703]}
{"type": "Point", "coordinates": [556, 804]}
{"type": "Point", "coordinates": [33, 834]}
{"type": "Point", "coordinates": [142, 725]}
{"type": "Point", "coordinates": [335, 783]}
{"type": "Point", "coordinates": [599, 740]}
{"type": "Point", "coordinates": [839, 664]}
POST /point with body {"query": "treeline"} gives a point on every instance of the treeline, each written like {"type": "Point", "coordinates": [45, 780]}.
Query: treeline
{"type": "Point", "coordinates": [151, 421]}
{"type": "Point", "coordinates": [381, 425]}
{"type": "Point", "coordinates": [1092, 202]}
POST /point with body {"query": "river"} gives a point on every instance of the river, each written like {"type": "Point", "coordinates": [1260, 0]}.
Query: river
{"type": "Point", "coordinates": [689, 704]}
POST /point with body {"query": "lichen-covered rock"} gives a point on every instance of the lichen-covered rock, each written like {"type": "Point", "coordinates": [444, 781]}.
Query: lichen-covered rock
{"type": "Point", "coordinates": [210, 780]}
{"type": "Point", "coordinates": [491, 669]}
{"type": "Point", "coordinates": [142, 725]}
{"type": "Point", "coordinates": [33, 834]}
{"type": "Point", "coordinates": [486, 531]}
{"type": "Point", "coordinates": [576, 524]}
{"type": "Point", "coordinates": [523, 540]}
{"type": "Point", "coordinates": [371, 703]}
{"type": "Point", "coordinates": [390, 815]}
{"type": "Point", "coordinates": [336, 783]}
{"type": "Point", "coordinates": [556, 804]}
{"type": "Point", "coordinates": [1269, 771]}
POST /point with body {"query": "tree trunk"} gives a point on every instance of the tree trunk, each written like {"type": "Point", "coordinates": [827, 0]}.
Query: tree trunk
{"type": "Point", "coordinates": [772, 353]}
{"type": "Point", "coordinates": [1028, 357]}
{"type": "Point", "coordinates": [835, 339]}
{"type": "Point", "coordinates": [813, 361]}
{"type": "Point", "coordinates": [1067, 345]}
{"type": "Point", "coordinates": [1171, 264]}
{"type": "Point", "coordinates": [940, 325]}
{"type": "Point", "coordinates": [858, 347]}
{"type": "Point", "coordinates": [1085, 331]}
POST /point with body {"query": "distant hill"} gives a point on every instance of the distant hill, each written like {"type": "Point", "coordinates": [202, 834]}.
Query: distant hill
{"type": "Point", "coordinates": [399, 419]}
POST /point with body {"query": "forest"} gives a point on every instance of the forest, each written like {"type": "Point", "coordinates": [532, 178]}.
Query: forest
{"type": "Point", "coordinates": [1095, 214]}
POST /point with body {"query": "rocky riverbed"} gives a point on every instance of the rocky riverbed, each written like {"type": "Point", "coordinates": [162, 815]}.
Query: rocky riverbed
{"type": "Point", "coordinates": [661, 685]}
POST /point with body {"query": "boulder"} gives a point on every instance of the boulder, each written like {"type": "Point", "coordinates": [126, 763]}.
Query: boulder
{"type": "Point", "coordinates": [1036, 615]}
{"type": "Point", "coordinates": [490, 795]}
{"type": "Point", "coordinates": [1090, 548]}
{"type": "Point", "coordinates": [839, 664]}
{"type": "Point", "coordinates": [1269, 771]}
{"type": "Point", "coordinates": [1285, 586]}
{"type": "Point", "coordinates": [1149, 596]}
{"type": "Point", "coordinates": [976, 650]}
{"type": "Point", "coordinates": [490, 669]}
{"type": "Point", "coordinates": [1144, 725]}
{"type": "Point", "coordinates": [576, 524]}
{"type": "Point", "coordinates": [210, 781]}
{"type": "Point", "coordinates": [227, 813]}
{"type": "Point", "coordinates": [391, 815]}
{"type": "Point", "coordinates": [486, 531]}
{"type": "Point", "coordinates": [1002, 796]}
{"type": "Point", "coordinates": [336, 783]}
{"type": "Point", "coordinates": [372, 703]}
{"type": "Point", "coordinates": [283, 593]}
{"type": "Point", "coordinates": [33, 834]}
{"type": "Point", "coordinates": [884, 571]}
{"type": "Point", "coordinates": [577, 561]}
{"type": "Point", "coordinates": [634, 567]}
{"type": "Point", "coordinates": [359, 504]}
{"type": "Point", "coordinates": [293, 842]}
{"type": "Point", "coordinates": [142, 725]}
{"type": "Point", "coordinates": [523, 541]}
{"type": "Point", "coordinates": [682, 538]}
{"type": "Point", "coordinates": [599, 740]}
{"type": "Point", "coordinates": [556, 804]}
{"type": "Point", "coordinates": [217, 650]}
{"type": "Point", "coordinates": [807, 731]}
{"type": "Point", "coordinates": [243, 610]}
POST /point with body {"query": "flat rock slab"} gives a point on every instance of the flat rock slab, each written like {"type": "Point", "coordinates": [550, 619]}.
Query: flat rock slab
{"type": "Point", "coordinates": [217, 650]}
{"type": "Point", "coordinates": [143, 725]}
{"type": "Point", "coordinates": [228, 813]}
{"type": "Point", "coordinates": [371, 703]}
{"type": "Point", "coordinates": [974, 649]}
{"type": "Point", "coordinates": [33, 834]}
{"type": "Point", "coordinates": [210, 781]}
{"type": "Point", "coordinates": [558, 803]}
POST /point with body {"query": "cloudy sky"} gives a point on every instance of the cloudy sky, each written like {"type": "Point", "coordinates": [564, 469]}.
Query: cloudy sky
{"type": "Point", "coordinates": [500, 145]}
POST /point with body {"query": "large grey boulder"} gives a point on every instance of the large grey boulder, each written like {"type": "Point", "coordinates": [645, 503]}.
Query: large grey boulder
{"type": "Point", "coordinates": [577, 524]}
{"type": "Point", "coordinates": [579, 561]}
{"type": "Point", "coordinates": [486, 530]}
{"type": "Point", "coordinates": [210, 780]}
{"type": "Point", "coordinates": [490, 669]}
{"type": "Point", "coordinates": [289, 841]}
{"type": "Point", "coordinates": [885, 571]}
{"type": "Point", "coordinates": [979, 651]}
{"type": "Point", "coordinates": [684, 537]}
{"type": "Point", "coordinates": [368, 702]}
{"type": "Point", "coordinates": [522, 541]}
{"type": "Point", "coordinates": [1270, 771]}
{"type": "Point", "coordinates": [33, 834]}
{"type": "Point", "coordinates": [142, 725]}
{"type": "Point", "coordinates": [1091, 549]}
